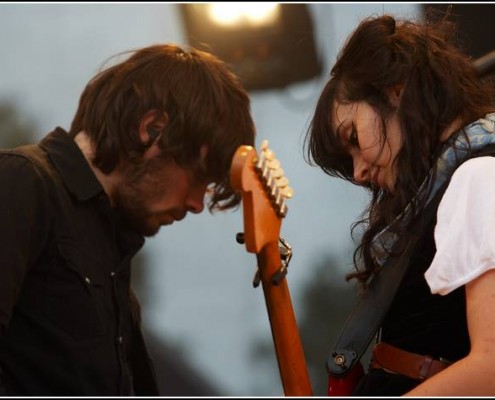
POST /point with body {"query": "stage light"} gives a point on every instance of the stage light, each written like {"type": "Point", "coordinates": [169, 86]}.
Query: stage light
{"type": "Point", "coordinates": [247, 14]}
{"type": "Point", "coordinates": [268, 45]}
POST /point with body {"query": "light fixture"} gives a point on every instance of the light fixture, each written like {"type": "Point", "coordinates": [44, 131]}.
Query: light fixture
{"type": "Point", "coordinates": [244, 14]}
{"type": "Point", "coordinates": [268, 45]}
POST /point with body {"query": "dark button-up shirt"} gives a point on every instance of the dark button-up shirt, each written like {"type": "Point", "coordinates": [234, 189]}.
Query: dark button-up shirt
{"type": "Point", "coordinates": [64, 276]}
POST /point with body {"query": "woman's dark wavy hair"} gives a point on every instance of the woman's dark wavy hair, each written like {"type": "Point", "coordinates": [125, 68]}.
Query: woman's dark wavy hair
{"type": "Point", "coordinates": [440, 86]}
{"type": "Point", "coordinates": [205, 103]}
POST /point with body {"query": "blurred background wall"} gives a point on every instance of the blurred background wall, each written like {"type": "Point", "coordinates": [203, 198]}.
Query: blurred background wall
{"type": "Point", "coordinates": [207, 326]}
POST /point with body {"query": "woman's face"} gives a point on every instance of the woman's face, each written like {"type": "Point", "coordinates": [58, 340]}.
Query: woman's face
{"type": "Point", "coordinates": [360, 130]}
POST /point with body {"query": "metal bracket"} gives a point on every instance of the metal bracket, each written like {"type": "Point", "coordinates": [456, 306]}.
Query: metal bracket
{"type": "Point", "coordinates": [285, 257]}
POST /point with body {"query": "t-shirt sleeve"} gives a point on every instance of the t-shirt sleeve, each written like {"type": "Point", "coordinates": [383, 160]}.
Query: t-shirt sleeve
{"type": "Point", "coordinates": [465, 230]}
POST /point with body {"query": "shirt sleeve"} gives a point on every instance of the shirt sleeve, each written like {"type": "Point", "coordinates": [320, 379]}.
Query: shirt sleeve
{"type": "Point", "coordinates": [23, 227]}
{"type": "Point", "coordinates": [465, 230]}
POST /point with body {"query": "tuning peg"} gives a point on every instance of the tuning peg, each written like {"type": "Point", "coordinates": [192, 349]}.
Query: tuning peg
{"type": "Point", "coordinates": [256, 278]}
{"type": "Point", "coordinates": [282, 182]}
{"type": "Point", "coordinates": [260, 163]}
{"type": "Point", "coordinates": [277, 173]}
{"type": "Point", "coordinates": [239, 237]}
{"type": "Point", "coordinates": [269, 181]}
{"type": "Point", "coordinates": [264, 145]}
{"type": "Point", "coordinates": [274, 164]}
{"type": "Point", "coordinates": [287, 192]}
{"type": "Point", "coordinates": [268, 154]}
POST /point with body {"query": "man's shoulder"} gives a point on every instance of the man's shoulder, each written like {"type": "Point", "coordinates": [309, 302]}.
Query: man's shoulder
{"type": "Point", "coordinates": [25, 159]}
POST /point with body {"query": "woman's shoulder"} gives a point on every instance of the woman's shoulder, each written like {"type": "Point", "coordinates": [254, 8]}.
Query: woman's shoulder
{"type": "Point", "coordinates": [476, 168]}
{"type": "Point", "coordinates": [472, 183]}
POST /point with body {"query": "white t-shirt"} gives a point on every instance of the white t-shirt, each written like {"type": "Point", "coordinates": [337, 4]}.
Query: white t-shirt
{"type": "Point", "coordinates": [465, 230]}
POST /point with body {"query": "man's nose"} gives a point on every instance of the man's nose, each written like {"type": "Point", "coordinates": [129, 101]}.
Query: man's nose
{"type": "Point", "coordinates": [196, 200]}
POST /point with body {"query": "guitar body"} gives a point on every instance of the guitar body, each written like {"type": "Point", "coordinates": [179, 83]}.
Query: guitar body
{"type": "Point", "coordinates": [343, 386]}
{"type": "Point", "coordinates": [264, 191]}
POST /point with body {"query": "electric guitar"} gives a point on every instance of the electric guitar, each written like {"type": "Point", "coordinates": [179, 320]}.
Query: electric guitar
{"type": "Point", "coordinates": [265, 190]}
{"type": "Point", "coordinates": [342, 386]}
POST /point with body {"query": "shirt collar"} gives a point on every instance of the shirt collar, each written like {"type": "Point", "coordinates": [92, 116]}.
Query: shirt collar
{"type": "Point", "coordinates": [71, 164]}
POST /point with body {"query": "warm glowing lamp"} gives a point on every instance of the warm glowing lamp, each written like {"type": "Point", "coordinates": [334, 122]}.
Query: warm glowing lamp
{"type": "Point", "coordinates": [269, 45]}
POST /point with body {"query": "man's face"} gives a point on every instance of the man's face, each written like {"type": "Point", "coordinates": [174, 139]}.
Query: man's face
{"type": "Point", "coordinates": [157, 192]}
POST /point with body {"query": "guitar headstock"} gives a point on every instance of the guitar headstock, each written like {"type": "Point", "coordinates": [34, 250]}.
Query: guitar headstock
{"type": "Point", "coordinates": [264, 189]}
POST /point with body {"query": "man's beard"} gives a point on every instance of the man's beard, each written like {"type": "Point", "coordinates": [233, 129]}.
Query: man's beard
{"type": "Point", "coordinates": [133, 212]}
{"type": "Point", "coordinates": [130, 198]}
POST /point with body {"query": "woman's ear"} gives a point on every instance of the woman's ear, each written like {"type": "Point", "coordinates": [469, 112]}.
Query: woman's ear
{"type": "Point", "coordinates": [395, 94]}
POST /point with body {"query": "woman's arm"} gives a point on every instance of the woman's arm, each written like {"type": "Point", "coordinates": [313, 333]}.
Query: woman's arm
{"type": "Point", "coordinates": [473, 375]}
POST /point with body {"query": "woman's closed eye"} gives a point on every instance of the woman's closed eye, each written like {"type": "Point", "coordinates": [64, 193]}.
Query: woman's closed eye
{"type": "Point", "coordinates": [353, 137]}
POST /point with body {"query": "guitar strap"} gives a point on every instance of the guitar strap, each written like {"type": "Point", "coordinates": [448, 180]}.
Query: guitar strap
{"type": "Point", "coordinates": [368, 313]}
{"type": "Point", "coordinates": [372, 306]}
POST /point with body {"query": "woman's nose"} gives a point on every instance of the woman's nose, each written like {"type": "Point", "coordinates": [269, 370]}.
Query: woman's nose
{"type": "Point", "coordinates": [361, 170]}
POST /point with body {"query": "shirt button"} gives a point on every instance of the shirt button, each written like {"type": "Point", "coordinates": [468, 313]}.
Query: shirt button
{"type": "Point", "coordinates": [112, 274]}
{"type": "Point", "coordinates": [88, 281]}
{"type": "Point", "coordinates": [120, 340]}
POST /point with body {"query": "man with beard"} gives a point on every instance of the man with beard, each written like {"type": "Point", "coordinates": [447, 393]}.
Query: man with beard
{"type": "Point", "coordinates": [151, 137]}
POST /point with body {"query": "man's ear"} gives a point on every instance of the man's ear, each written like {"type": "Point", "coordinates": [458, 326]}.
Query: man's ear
{"type": "Point", "coordinates": [152, 126]}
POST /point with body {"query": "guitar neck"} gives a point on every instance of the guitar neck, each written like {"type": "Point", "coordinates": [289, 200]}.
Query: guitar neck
{"type": "Point", "coordinates": [264, 190]}
{"type": "Point", "coordinates": [290, 355]}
